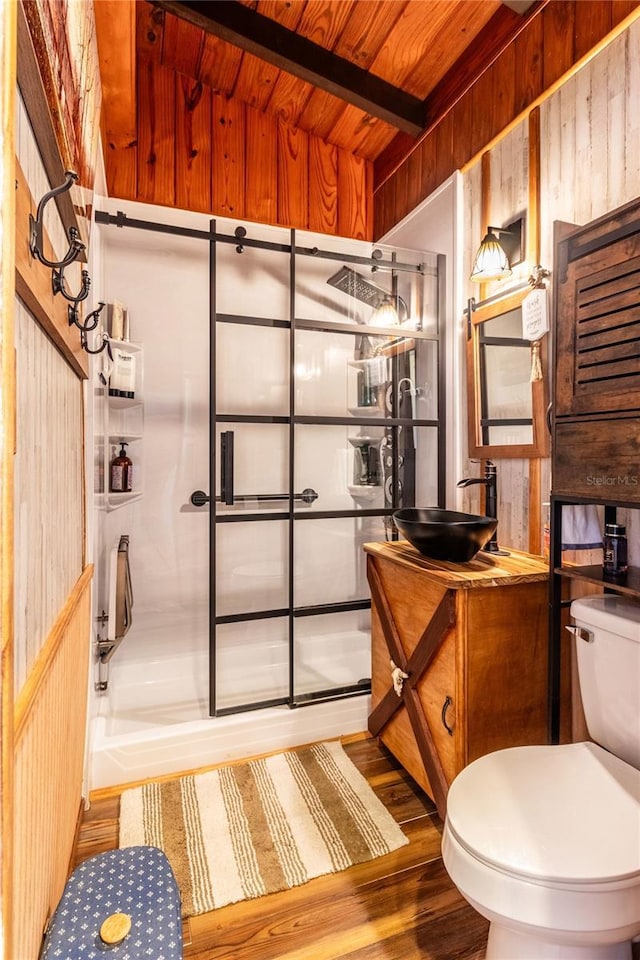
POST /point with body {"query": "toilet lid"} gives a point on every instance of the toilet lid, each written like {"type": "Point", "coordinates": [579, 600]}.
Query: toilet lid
{"type": "Point", "coordinates": [567, 813]}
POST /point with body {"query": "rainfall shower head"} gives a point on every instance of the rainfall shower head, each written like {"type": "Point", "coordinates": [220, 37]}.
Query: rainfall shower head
{"type": "Point", "coordinates": [355, 285]}
{"type": "Point", "coordinates": [358, 287]}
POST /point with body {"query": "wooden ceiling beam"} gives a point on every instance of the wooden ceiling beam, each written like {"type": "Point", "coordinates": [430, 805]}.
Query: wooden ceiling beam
{"type": "Point", "coordinates": [287, 50]}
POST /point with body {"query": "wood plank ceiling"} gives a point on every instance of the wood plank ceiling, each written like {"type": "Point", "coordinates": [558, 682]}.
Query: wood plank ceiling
{"type": "Point", "coordinates": [351, 83]}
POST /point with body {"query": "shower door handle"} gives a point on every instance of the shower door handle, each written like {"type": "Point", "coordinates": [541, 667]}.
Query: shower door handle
{"type": "Point", "coordinates": [226, 467]}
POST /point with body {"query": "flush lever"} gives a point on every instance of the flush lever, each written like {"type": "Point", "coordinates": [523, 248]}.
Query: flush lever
{"type": "Point", "coordinates": [580, 633]}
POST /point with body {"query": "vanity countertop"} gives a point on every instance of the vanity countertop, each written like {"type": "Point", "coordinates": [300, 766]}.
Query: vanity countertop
{"type": "Point", "coordinates": [485, 570]}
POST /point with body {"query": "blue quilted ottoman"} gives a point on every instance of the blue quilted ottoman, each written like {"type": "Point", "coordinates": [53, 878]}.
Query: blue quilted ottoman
{"type": "Point", "coordinates": [123, 904]}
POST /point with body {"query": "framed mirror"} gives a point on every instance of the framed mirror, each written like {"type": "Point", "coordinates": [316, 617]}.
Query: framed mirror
{"type": "Point", "coordinates": [507, 411]}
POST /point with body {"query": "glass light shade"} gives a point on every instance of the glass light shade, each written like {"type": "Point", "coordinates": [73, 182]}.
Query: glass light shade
{"type": "Point", "coordinates": [491, 261]}
{"type": "Point", "coordinates": [385, 315]}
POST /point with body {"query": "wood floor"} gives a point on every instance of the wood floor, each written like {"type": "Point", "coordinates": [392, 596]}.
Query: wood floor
{"type": "Point", "coordinates": [399, 907]}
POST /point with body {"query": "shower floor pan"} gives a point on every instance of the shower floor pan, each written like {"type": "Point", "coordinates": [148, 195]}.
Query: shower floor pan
{"type": "Point", "coordinates": [160, 724]}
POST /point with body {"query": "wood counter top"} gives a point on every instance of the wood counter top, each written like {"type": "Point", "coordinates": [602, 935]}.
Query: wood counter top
{"type": "Point", "coordinates": [485, 570]}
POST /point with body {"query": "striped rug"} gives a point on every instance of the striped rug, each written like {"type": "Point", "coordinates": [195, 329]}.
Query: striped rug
{"type": "Point", "coordinates": [253, 828]}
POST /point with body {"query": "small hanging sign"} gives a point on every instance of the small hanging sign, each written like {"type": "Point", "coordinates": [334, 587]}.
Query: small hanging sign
{"type": "Point", "coordinates": [535, 314]}
{"type": "Point", "coordinates": [535, 323]}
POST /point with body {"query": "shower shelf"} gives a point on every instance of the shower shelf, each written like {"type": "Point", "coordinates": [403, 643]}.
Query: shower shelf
{"type": "Point", "coordinates": [125, 424]}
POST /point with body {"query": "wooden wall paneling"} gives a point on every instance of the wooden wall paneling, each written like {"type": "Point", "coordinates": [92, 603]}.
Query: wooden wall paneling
{"type": "Point", "coordinates": [49, 764]}
{"type": "Point", "coordinates": [156, 133]}
{"type": "Point", "coordinates": [444, 134]}
{"type": "Point", "coordinates": [149, 31]}
{"type": "Point", "coordinates": [504, 93]}
{"type": "Point", "coordinates": [33, 284]}
{"type": "Point", "coordinates": [428, 164]}
{"type": "Point", "coordinates": [261, 166]}
{"type": "Point", "coordinates": [354, 212]}
{"type": "Point", "coordinates": [289, 97]}
{"type": "Point", "coordinates": [48, 487]}
{"type": "Point", "coordinates": [592, 21]}
{"type": "Point", "coordinates": [182, 46]}
{"type": "Point", "coordinates": [321, 113]}
{"type": "Point", "coordinates": [116, 34]}
{"type": "Point", "coordinates": [384, 208]}
{"type": "Point", "coordinates": [193, 145]}
{"type": "Point", "coordinates": [401, 179]}
{"type": "Point", "coordinates": [461, 119]}
{"type": "Point", "coordinates": [360, 132]}
{"type": "Point", "coordinates": [8, 43]}
{"type": "Point", "coordinates": [601, 149]}
{"type": "Point", "coordinates": [529, 62]}
{"type": "Point", "coordinates": [567, 130]}
{"type": "Point", "coordinates": [323, 186]}
{"type": "Point", "coordinates": [558, 21]}
{"type": "Point", "coordinates": [615, 63]}
{"type": "Point", "coordinates": [481, 96]}
{"type": "Point", "coordinates": [632, 131]}
{"type": "Point", "coordinates": [293, 177]}
{"type": "Point", "coordinates": [621, 9]}
{"type": "Point", "coordinates": [255, 81]}
{"type": "Point", "coordinates": [414, 179]}
{"type": "Point", "coordinates": [121, 170]}
{"type": "Point", "coordinates": [228, 162]}
{"type": "Point", "coordinates": [220, 64]}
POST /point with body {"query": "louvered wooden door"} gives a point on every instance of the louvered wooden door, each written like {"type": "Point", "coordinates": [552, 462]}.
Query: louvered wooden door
{"type": "Point", "coordinates": [598, 333]}
{"type": "Point", "coordinates": [597, 350]}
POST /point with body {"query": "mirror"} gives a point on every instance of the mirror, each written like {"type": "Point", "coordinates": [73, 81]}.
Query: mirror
{"type": "Point", "coordinates": [506, 409]}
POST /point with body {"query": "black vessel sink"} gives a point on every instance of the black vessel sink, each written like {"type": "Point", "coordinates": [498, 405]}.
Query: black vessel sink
{"type": "Point", "coordinates": [444, 534]}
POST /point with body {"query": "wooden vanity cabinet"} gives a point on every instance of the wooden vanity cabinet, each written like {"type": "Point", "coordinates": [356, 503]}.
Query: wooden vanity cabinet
{"type": "Point", "coordinates": [473, 639]}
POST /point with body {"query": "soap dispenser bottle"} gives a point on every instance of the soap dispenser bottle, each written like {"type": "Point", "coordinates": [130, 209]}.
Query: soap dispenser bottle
{"type": "Point", "coordinates": [122, 471]}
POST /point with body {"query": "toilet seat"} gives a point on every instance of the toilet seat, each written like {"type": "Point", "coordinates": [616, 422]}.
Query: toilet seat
{"type": "Point", "coordinates": [542, 814]}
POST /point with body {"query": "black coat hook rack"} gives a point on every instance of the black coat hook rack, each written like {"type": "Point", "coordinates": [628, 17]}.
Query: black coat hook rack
{"type": "Point", "coordinates": [36, 228]}
{"type": "Point", "coordinates": [76, 247]}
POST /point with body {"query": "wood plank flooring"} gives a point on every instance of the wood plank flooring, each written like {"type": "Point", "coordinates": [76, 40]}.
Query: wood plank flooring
{"type": "Point", "coordinates": [399, 907]}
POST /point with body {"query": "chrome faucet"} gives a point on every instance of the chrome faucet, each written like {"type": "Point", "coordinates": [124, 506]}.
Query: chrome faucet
{"type": "Point", "coordinates": [490, 480]}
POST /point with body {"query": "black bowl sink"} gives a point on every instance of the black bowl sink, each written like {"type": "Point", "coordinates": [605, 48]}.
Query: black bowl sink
{"type": "Point", "coordinates": [444, 534]}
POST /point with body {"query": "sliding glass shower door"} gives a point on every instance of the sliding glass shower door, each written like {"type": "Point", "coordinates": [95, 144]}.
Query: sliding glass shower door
{"type": "Point", "coordinates": [325, 418]}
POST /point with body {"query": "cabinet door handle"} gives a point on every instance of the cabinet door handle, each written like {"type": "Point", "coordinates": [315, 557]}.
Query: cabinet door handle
{"type": "Point", "coordinates": [443, 716]}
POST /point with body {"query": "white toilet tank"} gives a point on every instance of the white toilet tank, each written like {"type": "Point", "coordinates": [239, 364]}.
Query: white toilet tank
{"type": "Point", "coordinates": [608, 652]}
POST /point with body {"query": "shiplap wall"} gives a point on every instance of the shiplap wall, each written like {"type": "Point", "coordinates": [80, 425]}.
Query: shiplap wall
{"type": "Point", "coordinates": [48, 496]}
{"type": "Point", "coordinates": [590, 164]}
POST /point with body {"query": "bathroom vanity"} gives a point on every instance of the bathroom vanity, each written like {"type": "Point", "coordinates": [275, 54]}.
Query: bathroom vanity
{"type": "Point", "coordinates": [472, 638]}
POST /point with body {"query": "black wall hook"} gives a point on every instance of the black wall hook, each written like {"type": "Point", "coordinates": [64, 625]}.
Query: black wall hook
{"type": "Point", "coordinates": [91, 320]}
{"type": "Point", "coordinates": [36, 227]}
{"type": "Point", "coordinates": [58, 284]}
{"type": "Point", "coordinates": [84, 343]}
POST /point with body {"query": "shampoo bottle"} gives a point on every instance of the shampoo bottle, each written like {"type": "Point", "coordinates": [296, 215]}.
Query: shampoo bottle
{"type": "Point", "coordinates": [121, 471]}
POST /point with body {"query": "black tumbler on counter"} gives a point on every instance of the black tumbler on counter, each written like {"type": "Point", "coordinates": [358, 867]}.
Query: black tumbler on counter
{"type": "Point", "coordinates": [614, 556]}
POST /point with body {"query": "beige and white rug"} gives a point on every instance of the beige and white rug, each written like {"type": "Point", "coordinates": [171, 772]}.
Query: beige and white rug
{"type": "Point", "coordinates": [253, 828]}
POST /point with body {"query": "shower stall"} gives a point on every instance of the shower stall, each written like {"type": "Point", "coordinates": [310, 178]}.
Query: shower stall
{"type": "Point", "coordinates": [292, 401]}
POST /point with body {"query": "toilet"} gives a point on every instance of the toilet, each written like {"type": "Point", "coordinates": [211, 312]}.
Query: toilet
{"type": "Point", "coordinates": [544, 841]}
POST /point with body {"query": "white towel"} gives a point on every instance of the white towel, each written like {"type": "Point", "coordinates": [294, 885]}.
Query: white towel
{"type": "Point", "coordinates": [581, 527]}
